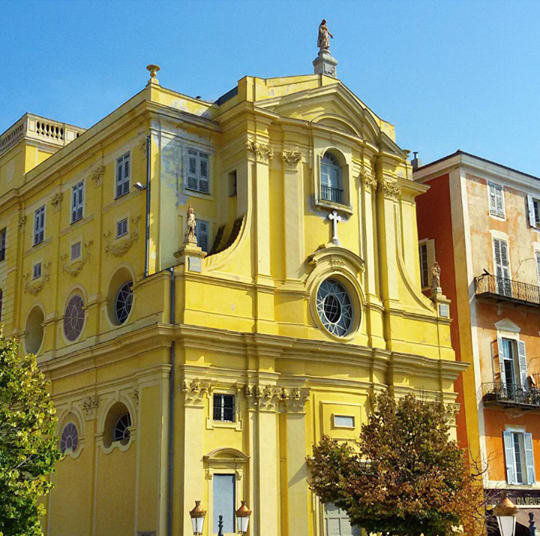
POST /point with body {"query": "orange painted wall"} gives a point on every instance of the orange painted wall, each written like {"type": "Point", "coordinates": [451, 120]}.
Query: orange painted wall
{"type": "Point", "coordinates": [434, 218]}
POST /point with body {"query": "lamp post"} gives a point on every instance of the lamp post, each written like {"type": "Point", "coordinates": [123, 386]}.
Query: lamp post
{"type": "Point", "coordinates": [197, 518]}
{"type": "Point", "coordinates": [242, 518]}
{"type": "Point", "coordinates": [506, 512]}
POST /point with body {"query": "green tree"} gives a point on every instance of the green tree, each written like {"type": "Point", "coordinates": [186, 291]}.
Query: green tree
{"type": "Point", "coordinates": [404, 476]}
{"type": "Point", "coordinates": [28, 446]}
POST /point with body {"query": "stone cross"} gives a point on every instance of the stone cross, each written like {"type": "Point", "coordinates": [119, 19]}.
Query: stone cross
{"type": "Point", "coordinates": [335, 218]}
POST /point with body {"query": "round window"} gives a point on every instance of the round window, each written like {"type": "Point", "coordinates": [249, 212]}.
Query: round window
{"type": "Point", "coordinates": [121, 429]}
{"type": "Point", "coordinates": [70, 438]}
{"type": "Point", "coordinates": [74, 318]}
{"type": "Point", "coordinates": [334, 307]}
{"type": "Point", "coordinates": [123, 303]}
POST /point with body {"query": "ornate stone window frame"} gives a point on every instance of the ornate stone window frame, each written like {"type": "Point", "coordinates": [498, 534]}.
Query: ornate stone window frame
{"type": "Point", "coordinates": [234, 390]}
{"type": "Point", "coordinates": [103, 415]}
{"type": "Point", "coordinates": [344, 156]}
{"type": "Point", "coordinates": [72, 415]}
{"type": "Point", "coordinates": [226, 461]}
{"type": "Point", "coordinates": [76, 289]}
{"type": "Point", "coordinates": [336, 262]}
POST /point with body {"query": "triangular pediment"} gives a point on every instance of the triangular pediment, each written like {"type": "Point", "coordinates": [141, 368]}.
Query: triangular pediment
{"type": "Point", "coordinates": [335, 107]}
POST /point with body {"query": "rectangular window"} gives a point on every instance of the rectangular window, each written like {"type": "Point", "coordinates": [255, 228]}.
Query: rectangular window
{"type": "Point", "coordinates": [39, 225]}
{"type": "Point", "coordinates": [123, 170]}
{"type": "Point", "coordinates": [223, 408]}
{"type": "Point", "coordinates": [121, 228]}
{"type": "Point", "coordinates": [426, 251]}
{"type": "Point", "coordinates": [77, 202]}
{"type": "Point", "coordinates": [512, 367]}
{"type": "Point", "coordinates": [198, 176]}
{"type": "Point", "coordinates": [201, 232]}
{"type": "Point", "coordinates": [224, 502]}
{"type": "Point", "coordinates": [36, 271]}
{"type": "Point", "coordinates": [337, 522]}
{"type": "Point", "coordinates": [502, 267]}
{"type": "Point", "coordinates": [496, 200]}
{"type": "Point", "coordinates": [343, 421]}
{"type": "Point", "coordinates": [519, 457]}
{"type": "Point", "coordinates": [534, 211]}
{"type": "Point", "coordinates": [75, 251]}
{"type": "Point", "coordinates": [3, 235]}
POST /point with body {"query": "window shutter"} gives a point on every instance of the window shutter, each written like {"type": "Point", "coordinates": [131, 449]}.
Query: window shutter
{"type": "Point", "coordinates": [529, 458]}
{"type": "Point", "coordinates": [499, 200]}
{"type": "Point", "coordinates": [532, 218]}
{"type": "Point", "coordinates": [74, 204]}
{"type": "Point", "coordinates": [500, 352]}
{"type": "Point", "coordinates": [492, 200]}
{"type": "Point", "coordinates": [522, 364]}
{"type": "Point", "coordinates": [509, 457]}
{"type": "Point", "coordinates": [537, 255]}
{"type": "Point", "coordinates": [498, 263]}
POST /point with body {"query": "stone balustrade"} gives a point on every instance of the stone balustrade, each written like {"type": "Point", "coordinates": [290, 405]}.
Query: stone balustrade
{"type": "Point", "coordinates": [31, 126]}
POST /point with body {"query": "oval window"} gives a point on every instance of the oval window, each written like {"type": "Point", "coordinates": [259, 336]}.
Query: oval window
{"type": "Point", "coordinates": [334, 307]}
{"type": "Point", "coordinates": [123, 302]}
{"type": "Point", "coordinates": [74, 318]}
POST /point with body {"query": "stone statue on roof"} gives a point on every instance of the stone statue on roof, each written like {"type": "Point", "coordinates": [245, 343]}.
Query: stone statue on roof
{"type": "Point", "coordinates": [323, 41]}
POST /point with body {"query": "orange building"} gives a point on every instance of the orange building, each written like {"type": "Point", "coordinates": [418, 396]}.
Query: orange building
{"type": "Point", "coordinates": [481, 222]}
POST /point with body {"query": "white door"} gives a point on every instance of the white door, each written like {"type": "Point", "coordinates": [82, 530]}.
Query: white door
{"type": "Point", "coordinates": [337, 522]}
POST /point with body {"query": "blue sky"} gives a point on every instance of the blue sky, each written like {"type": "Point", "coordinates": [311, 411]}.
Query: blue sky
{"type": "Point", "coordinates": [450, 74]}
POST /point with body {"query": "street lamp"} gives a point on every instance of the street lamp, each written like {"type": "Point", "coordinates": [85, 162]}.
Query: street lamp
{"type": "Point", "coordinates": [197, 518]}
{"type": "Point", "coordinates": [242, 518]}
{"type": "Point", "coordinates": [506, 512]}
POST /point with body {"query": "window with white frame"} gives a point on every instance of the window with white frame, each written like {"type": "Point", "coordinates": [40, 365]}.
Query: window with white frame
{"type": "Point", "coordinates": [519, 457]}
{"type": "Point", "coordinates": [77, 202]}
{"type": "Point", "coordinates": [331, 179]}
{"type": "Point", "coordinates": [512, 366]}
{"type": "Point", "coordinates": [534, 211]}
{"type": "Point", "coordinates": [426, 251]}
{"type": "Point", "coordinates": [201, 232]}
{"type": "Point", "coordinates": [198, 173]}
{"type": "Point", "coordinates": [496, 200]}
{"type": "Point", "coordinates": [337, 522]}
{"type": "Point", "coordinates": [123, 170]}
{"type": "Point", "coordinates": [122, 227]}
{"type": "Point", "coordinates": [224, 502]}
{"type": "Point", "coordinates": [39, 225]}
{"type": "Point", "coordinates": [3, 235]}
{"type": "Point", "coordinates": [502, 266]}
{"type": "Point", "coordinates": [36, 271]}
{"type": "Point", "coordinates": [223, 407]}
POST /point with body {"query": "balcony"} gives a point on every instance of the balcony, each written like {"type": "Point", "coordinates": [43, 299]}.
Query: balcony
{"type": "Point", "coordinates": [511, 395]}
{"type": "Point", "coordinates": [335, 195]}
{"type": "Point", "coordinates": [499, 289]}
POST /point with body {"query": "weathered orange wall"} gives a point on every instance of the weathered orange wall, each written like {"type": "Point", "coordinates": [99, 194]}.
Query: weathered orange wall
{"type": "Point", "coordinates": [436, 223]}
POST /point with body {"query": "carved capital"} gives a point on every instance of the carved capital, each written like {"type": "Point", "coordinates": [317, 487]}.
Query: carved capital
{"type": "Point", "coordinates": [194, 390]}
{"type": "Point", "coordinates": [292, 158]}
{"type": "Point", "coordinates": [390, 189]}
{"type": "Point", "coordinates": [135, 396]}
{"type": "Point", "coordinates": [97, 175]}
{"type": "Point", "coordinates": [56, 200]}
{"type": "Point", "coordinates": [89, 406]}
{"type": "Point", "coordinates": [274, 398]}
{"type": "Point", "coordinates": [369, 181]}
{"type": "Point", "coordinates": [261, 151]}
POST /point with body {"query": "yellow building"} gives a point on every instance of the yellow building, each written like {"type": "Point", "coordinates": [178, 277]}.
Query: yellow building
{"type": "Point", "coordinates": [188, 371]}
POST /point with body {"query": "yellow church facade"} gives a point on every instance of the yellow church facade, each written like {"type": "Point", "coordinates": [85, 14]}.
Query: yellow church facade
{"type": "Point", "coordinates": [196, 354]}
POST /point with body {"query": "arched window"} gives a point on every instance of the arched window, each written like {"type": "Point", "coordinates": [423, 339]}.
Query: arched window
{"type": "Point", "coordinates": [121, 428]}
{"type": "Point", "coordinates": [123, 302]}
{"type": "Point", "coordinates": [70, 438]}
{"type": "Point", "coordinates": [117, 426]}
{"type": "Point", "coordinates": [331, 179]}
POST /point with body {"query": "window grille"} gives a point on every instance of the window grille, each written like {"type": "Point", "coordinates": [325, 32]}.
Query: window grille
{"type": "Point", "coordinates": [223, 408]}
{"type": "Point", "coordinates": [70, 438]}
{"type": "Point", "coordinates": [74, 318]}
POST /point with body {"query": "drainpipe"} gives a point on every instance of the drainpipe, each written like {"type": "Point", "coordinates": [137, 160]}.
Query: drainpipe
{"type": "Point", "coordinates": [171, 407]}
{"type": "Point", "coordinates": [148, 169]}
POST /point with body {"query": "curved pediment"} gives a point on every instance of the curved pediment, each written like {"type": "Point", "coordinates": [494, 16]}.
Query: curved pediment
{"type": "Point", "coordinates": [226, 454]}
{"type": "Point", "coordinates": [337, 255]}
{"type": "Point", "coordinates": [336, 122]}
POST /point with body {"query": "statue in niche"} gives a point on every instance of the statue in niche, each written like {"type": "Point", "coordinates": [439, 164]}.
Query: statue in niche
{"type": "Point", "coordinates": [436, 276]}
{"type": "Point", "coordinates": [191, 223]}
{"type": "Point", "coordinates": [323, 41]}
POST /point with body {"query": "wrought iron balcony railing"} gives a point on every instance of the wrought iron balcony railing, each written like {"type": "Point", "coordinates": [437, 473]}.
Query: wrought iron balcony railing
{"type": "Point", "coordinates": [511, 395]}
{"type": "Point", "coordinates": [507, 289]}
{"type": "Point", "coordinates": [332, 194]}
